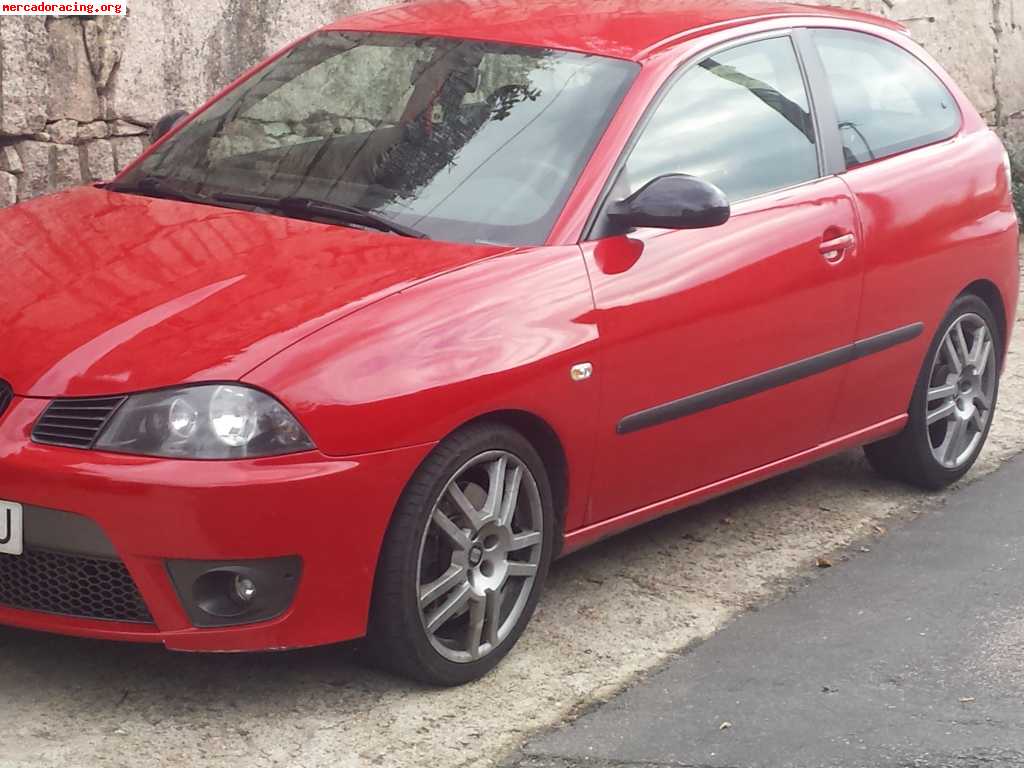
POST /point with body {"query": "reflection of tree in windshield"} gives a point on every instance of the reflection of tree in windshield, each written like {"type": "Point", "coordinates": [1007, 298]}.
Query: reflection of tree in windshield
{"type": "Point", "coordinates": [431, 142]}
{"type": "Point", "coordinates": [508, 96]}
{"type": "Point", "coordinates": [480, 140]}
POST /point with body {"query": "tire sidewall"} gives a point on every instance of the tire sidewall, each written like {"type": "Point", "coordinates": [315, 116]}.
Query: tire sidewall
{"type": "Point", "coordinates": [415, 509]}
{"type": "Point", "coordinates": [936, 475]}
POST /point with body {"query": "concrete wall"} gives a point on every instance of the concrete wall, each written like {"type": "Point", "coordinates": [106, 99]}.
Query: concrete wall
{"type": "Point", "coordinates": [77, 95]}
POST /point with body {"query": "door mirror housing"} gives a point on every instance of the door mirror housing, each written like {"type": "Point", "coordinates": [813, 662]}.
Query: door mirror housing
{"type": "Point", "coordinates": [674, 201]}
{"type": "Point", "coordinates": [164, 124]}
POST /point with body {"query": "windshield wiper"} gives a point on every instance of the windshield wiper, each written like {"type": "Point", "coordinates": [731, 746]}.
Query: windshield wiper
{"type": "Point", "coordinates": [158, 186]}
{"type": "Point", "coordinates": [347, 214]}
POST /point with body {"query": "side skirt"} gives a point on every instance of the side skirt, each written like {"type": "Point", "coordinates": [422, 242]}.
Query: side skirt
{"type": "Point", "coordinates": [591, 534]}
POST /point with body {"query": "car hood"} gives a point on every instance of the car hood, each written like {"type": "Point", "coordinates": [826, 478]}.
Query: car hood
{"type": "Point", "coordinates": [107, 293]}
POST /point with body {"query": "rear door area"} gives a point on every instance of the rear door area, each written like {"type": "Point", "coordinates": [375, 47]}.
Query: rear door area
{"type": "Point", "coordinates": [926, 174]}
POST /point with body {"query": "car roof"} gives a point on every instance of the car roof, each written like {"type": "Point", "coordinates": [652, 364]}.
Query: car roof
{"type": "Point", "coordinates": [626, 29]}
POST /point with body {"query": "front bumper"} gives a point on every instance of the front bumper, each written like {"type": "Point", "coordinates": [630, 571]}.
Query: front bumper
{"type": "Point", "coordinates": [330, 512]}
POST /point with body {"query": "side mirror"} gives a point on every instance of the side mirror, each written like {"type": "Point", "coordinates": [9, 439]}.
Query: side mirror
{"type": "Point", "coordinates": [165, 123]}
{"type": "Point", "coordinates": [675, 201]}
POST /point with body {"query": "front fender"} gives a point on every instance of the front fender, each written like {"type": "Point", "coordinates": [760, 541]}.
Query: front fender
{"type": "Point", "coordinates": [500, 334]}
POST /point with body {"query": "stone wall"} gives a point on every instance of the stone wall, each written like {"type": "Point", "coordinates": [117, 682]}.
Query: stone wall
{"type": "Point", "coordinates": [980, 42]}
{"type": "Point", "coordinates": [77, 96]}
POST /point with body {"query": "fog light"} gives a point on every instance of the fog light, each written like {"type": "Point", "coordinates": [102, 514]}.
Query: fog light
{"type": "Point", "coordinates": [245, 589]}
{"type": "Point", "coordinates": [232, 592]}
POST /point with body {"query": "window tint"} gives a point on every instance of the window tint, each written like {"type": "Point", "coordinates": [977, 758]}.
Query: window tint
{"type": "Point", "coordinates": [887, 100]}
{"type": "Point", "coordinates": [740, 120]}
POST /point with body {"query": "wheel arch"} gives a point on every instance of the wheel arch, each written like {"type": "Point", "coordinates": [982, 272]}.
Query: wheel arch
{"type": "Point", "coordinates": [989, 292]}
{"type": "Point", "coordinates": [546, 441]}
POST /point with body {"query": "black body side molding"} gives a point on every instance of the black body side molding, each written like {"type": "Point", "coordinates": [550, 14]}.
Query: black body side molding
{"type": "Point", "coordinates": [762, 382]}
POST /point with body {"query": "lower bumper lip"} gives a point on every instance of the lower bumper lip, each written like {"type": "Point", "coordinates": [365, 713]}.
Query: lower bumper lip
{"type": "Point", "coordinates": [330, 512]}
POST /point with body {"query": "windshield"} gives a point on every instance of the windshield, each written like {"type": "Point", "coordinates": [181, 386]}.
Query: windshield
{"type": "Point", "coordinates": [463, 141]}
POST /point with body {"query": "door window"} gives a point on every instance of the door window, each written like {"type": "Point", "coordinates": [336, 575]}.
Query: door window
{"type": "Point", "coordinates": [740, 119]}
{"type": "Point", "coordinates": [887, 100]}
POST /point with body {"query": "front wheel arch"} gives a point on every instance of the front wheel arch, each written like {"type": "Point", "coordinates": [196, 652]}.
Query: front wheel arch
{"type": "Point", "coordinates": [395, 627]}
{"type": "Point", "coordinates": [545, 440]}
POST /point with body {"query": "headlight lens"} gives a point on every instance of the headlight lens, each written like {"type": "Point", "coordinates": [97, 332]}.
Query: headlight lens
{"type": "Point", "coordinates": [204, 422]}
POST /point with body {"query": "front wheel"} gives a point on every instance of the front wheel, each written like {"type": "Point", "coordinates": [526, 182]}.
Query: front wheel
{"type": "Point", "coordinates": [465, 558]}
{"type": "Point", "coordinates": [954, 402]}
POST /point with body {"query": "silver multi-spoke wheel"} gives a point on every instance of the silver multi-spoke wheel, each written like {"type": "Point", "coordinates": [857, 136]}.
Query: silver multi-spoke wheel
{"type": "Point", "coordinates": [954, 401]}
{"type": "Point", "coordinates": [961, 392]}
{"type": "Point", "coordinates": [479, 556]}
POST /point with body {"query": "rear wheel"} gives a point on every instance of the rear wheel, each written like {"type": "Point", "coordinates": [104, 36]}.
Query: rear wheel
{"type": "Point", "coordinates": [953, 405]}
{"type": "Point", "coordinates": [465, 558]}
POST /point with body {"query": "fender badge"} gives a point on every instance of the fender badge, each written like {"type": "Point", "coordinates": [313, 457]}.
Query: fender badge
{"type": "Point", "coordinates": [581, 371]}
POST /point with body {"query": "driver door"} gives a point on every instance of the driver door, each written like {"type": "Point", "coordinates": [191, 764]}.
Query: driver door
{"type": "Point", "coordinates": [720, 344]}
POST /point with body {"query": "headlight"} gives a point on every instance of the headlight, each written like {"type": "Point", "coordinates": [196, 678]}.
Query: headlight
{"type": "Point", "coordinates": [204, 422]}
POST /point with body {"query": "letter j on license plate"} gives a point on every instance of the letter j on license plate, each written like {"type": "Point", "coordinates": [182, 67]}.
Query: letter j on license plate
{"type": "Point", "coordinates": [11, 532]}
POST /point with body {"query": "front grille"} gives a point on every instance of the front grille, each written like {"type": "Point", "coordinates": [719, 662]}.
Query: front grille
{"type": "Point", "coordinates": [71, 585]}
{"type": "Point", "coordinates": [75, 422]}
{"type": "Point", "coordinates": [6, 396]}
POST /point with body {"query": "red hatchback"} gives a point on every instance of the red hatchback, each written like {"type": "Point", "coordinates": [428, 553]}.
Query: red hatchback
{"type": "Point", "coordinates": [446, 290]}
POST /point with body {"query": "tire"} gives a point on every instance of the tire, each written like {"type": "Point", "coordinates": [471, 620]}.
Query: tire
{"type": "Point", "coordinates": [454, 542]}
{"type": "Point", "coordinates": [935, 455]}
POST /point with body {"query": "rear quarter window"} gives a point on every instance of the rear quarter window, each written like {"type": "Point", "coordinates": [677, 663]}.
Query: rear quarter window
{"type": "Point", "coordinates": [887, 100]}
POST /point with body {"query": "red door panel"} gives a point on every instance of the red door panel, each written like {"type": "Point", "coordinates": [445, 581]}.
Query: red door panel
{"type": "Point", "coordinates": [686, 313]}
{"type": "Point", "coordinates": [934, 221]}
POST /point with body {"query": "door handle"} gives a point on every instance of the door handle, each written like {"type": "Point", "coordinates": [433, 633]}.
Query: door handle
{"type": "Point", "coordinates": [835, 249]}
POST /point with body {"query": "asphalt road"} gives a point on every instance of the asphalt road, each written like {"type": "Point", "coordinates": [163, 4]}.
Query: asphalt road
{"type": "Point", "coordinates": [610, 613]}
{"type": "Point", "coordinates": [910, 655]}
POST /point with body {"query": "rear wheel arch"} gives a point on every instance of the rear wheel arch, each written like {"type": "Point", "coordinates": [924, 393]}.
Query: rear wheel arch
{"type": "Point", "coordinates": [989, 292]}
{"type": "Point", "coordinates": [913, 455]}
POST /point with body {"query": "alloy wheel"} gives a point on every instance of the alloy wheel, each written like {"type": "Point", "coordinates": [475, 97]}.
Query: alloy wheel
{"type": "Point", "coordinates": [479, 556]}
{"type": "Point", "coordinates": [961, 391]}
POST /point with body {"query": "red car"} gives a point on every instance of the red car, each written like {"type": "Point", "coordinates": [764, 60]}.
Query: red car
{"type": "Point", "coordinates": [446, 290]}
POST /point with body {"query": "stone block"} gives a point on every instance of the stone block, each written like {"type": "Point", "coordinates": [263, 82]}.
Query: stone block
{"type": "Point", "coordinates": [1010, 63]}
{"type": "Point", "coordinates": [37, 159]}
{"type": "Point", "coordinates": [8, 189]}
{"type": "Point", "coordinates": [98, 160]}
{"type": "Point", "coordinates": [104, 41]}
{"type": "Point", "coordinates": [67, 167]}
{"type": "Point", "coordinates": [72, 90]}
{"type": "Point", "coordinates": [24, 62]}
{"type": "Point", "coordinates": [1013, 135]}
{"type": "Point", "coordinates": [91, 131]}
{"type": "Point", "coordinates": [124, 128]}
{"type": "Point", "coordinates": [126, 150]}
{"type": "Point", "coordinates": [166, 58]}
{"type": "Point", "coordinates": [63, 131]}
{"type": "Point", "coordinates": [9, 160]}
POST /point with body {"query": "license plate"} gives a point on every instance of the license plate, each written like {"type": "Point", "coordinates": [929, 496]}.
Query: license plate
{"type": "Point", "coordinates": [11, 531]}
